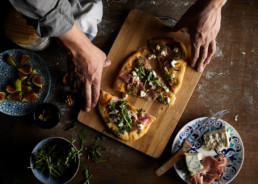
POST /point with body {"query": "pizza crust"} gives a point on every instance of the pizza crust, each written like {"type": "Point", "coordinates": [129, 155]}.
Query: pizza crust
{"type": "Point", "coordinates": [127, 135]}
{"type": "Point", "coordinates": [179, 75]}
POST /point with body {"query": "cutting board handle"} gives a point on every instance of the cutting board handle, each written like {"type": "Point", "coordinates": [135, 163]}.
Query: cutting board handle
{"type": "Point", "coordinates": [170, 162]}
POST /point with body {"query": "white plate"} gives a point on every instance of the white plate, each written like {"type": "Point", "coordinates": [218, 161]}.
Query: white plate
{"type": "Point", "coordinates": [234, 153]}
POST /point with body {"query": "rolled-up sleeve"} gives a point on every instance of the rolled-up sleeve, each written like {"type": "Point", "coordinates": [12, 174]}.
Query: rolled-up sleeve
{"type": "Point", "coordinates": [52, 18]}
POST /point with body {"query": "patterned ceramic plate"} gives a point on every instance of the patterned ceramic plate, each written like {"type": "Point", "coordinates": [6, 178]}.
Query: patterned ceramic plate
{"type": "Point", "coordinates": [234, 153]}
{"type": "Point", "coordinates": [8, 74]}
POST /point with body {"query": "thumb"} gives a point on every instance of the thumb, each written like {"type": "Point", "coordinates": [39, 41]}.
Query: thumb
{"type": "Point", "coordinates": [106, 63]}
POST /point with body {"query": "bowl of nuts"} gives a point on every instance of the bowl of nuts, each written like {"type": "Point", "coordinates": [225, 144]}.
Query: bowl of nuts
{"type": "Point", "coordinates": [47, 115]}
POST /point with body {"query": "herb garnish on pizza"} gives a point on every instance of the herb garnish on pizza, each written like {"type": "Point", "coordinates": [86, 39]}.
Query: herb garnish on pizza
{"type": "Point", "coordinates": [138, 78]}
{"type": "Point", "coordinates": [123, 119]}
{"type": "Point", "coordinates": [171, 55]}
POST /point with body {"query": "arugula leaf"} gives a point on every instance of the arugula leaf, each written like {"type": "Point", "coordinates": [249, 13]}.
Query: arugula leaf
{"type": "Point", "coordinates": [72, 125]}
{"type": "Point", "coordinates": [82, 138]}
{"type": "Point", "coordinates": [86, 172]}
{"type": "Point", "coordinates": [142, 58]}
{"type": "Point", "coordinates": [111, 105]}
{"type": "Point", "coordinates": [130, 91]}
{"type": "Point", "coordinates": [139, 110]}
{"type": "Point", "coordinates": [93, 150]}
{"type": "Point", "coordinates": [160, 97]}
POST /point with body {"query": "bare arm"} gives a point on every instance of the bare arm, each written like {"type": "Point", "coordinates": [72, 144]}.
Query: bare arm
{"type": "Point", "coordinates": [88, 63]}
{"type": "Point", "coordinates": [202, 21]}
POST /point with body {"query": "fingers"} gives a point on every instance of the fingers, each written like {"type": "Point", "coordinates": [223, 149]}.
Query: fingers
{"type": "Point", "coordinates": [106, 63]}
{"type": "Point", "coordinates": [202, 58]}
{"type": "Point", "coordinates": [195, 53]}
{"type": "Point", "coordinates": [95, 93]}
{"type": "Point", "coordinates": [87, 95]}
{"type": "Point", "coordinates": [211, 51]}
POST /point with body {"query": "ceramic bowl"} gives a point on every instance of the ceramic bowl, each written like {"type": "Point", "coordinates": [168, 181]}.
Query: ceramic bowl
{"type": "Point", "coordinates": [47, 115]}
{"type": "Point", "coordinates": [71, 170]}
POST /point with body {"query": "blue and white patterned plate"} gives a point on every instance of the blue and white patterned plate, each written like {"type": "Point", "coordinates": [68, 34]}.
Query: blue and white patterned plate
{"type": "Point", "coordinates": [234, 153]}
{"type": "Point", "coordinates": [9, 73]}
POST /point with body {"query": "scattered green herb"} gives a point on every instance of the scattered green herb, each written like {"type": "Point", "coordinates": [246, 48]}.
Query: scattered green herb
{"type": "Point", "coordinates": [139, 110]}
{"type": "Point", "coordinates": [172, 68]}
{"type": "Point", "coordinates": [142, 58]}
{"type": "Point", "coordinates": [160, 97]}
{"type": "Point", "coordinates": [82, 138]}
{"type": "Point", "coordinates": [130, 91]}
{"type": "Point", "coordinates": [93, 151]}
{"type": "Point", "coordinates": [86, 173]}
{"type": "Point", "coordinates": [72, 125]}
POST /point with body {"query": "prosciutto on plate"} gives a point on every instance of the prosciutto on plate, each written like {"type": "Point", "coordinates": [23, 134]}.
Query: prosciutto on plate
{"type": "Point", "coordinates": [213, 167]}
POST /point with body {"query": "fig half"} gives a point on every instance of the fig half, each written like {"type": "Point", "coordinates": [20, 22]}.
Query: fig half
{"type": "Point", "coordinates": [22, 76]}
{"type": "Point", "coordinates": [25, 59]}
{"type": "Point", "coordinates": [36, 80]}
{"type": "Point", "coordinates": [37, 89]}
{"type": "Point", "coordinates": [17, 96]}
{"type": "Point", "coordinates": [25, 69]}
{"type": "Point", "coordinates": [2, 96]}
{"type": "Point", "coordinates": [26, 88]}
{"type": "Point", "coordinates": [30, 97]}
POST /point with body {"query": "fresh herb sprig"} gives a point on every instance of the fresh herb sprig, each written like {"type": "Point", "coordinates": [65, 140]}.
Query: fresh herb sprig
{"type": "Point", "coordinates": [93, 151]}
{"type": "Point", "coordinates": [87, 175]}
{"type": "Point", "coordinates": [72, 125]}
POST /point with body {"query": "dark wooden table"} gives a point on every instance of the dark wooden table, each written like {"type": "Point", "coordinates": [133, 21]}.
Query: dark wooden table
{"type": "Point", "coordinates": [229, 81]}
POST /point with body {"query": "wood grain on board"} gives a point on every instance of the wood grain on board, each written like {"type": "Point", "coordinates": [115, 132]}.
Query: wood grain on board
{"type": "Point", "coordinates": [138, 28]}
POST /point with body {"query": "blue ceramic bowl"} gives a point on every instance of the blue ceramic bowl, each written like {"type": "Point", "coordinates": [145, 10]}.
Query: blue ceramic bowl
{"type": "Point", "coordinates": [68, 176]}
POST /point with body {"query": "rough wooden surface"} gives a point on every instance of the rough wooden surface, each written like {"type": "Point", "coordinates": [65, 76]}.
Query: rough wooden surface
{"type": "Point", "coordinates": [134, 34]}
{"type": "Point", "coordinates": [229, 81]}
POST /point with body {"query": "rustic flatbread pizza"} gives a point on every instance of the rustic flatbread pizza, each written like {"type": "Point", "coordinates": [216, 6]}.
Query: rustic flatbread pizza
{"type": "Point", "coordinates": [171, 55]}
{"type": "Point", "coordinates": [137, 77]}
{"type": "Point", "coordinates": [123, 120]}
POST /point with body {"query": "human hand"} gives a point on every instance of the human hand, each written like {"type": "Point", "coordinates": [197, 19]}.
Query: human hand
{"type": "Point", "coordinates": [202, 21]}
{"type": "Point", "coordinates": [87, 65]}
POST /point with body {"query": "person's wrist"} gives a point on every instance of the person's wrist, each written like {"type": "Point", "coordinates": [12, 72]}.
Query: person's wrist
{"type": "Point", "coordinates": [218, 4]}
{"type": "Point", "coordinates": [75, 39]}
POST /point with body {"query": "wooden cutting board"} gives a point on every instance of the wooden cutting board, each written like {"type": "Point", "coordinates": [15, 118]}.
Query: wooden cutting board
{"type": "Point", "coordinates": [138, 28]}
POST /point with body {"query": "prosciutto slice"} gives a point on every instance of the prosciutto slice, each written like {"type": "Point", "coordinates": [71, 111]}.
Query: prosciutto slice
{"type": "Point", "coordinates": [213, 169]}
{"type": "Point", "coordinates": [125, 77]}
{"type": "Point", "coordinates": [151, 95]}
{"type": "Point", "coordinates": [144, 118]}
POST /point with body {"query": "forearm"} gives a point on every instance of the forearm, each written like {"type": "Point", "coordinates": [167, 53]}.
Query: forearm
{"type": "Point", "coordinates": [75, 40]}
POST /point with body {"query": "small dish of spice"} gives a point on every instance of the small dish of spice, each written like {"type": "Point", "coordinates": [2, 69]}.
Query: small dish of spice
{"type": "Point", "coordinates": [47, 115]}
